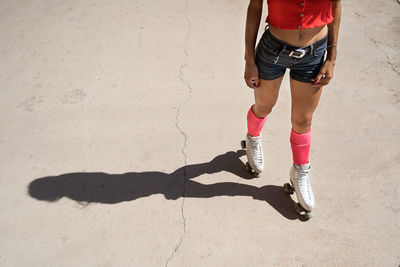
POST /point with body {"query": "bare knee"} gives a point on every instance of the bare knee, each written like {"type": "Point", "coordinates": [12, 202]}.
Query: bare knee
{"type": "Point", "coordinates": [262, 110]}
{"type": "Point", "coordinates": [301, 124]}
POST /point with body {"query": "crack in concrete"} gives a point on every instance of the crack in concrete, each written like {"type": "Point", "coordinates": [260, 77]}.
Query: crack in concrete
{"type": "Point", "coordinates": [177, 122]}
{"type": "Point", "coordinates": [394, 67]}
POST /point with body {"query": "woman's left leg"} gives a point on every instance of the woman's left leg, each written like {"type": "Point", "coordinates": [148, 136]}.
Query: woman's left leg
{"type": "Point", "coordinates": [305, 100]}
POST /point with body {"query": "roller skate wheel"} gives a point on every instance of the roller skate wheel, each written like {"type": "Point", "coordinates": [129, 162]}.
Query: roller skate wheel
{"type": "Point", "coordinates": [309, 215]}
{"type": "Point", "coordinates": [248, 167]}
{"type": "Point", "coordinates": [288, 188]}
{"type": "Point", "coordinates": [243, 144]}
{"type": "Point", "coordinates": [253, 173]}
{"type": "Point", "coordinates": [298, 208]}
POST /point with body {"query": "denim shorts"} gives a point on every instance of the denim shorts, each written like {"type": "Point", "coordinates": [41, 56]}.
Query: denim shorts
{"type": "Point", "coordinates": [272, 62]}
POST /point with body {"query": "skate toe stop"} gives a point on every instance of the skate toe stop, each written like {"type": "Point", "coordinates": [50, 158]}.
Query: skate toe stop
{"type": "Point", "coordinates": [243, 144]}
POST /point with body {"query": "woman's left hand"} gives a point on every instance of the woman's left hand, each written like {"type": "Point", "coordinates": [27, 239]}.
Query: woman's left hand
{"type": "Point", "coordinates": [325, 74]}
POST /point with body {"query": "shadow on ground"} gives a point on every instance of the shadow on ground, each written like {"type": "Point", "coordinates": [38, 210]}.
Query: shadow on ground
{"type": "Point", "coordinates": [114, 188]}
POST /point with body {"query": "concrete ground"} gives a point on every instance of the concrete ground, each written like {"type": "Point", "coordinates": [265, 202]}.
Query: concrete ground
{"type": "Point", "coordinates": [121, 122]}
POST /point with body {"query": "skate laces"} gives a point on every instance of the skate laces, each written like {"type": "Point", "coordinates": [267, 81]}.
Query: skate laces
{"type": "Point", "coordinates": [302, 177]}
{"type": "Point", "coordinates": [257, 151]}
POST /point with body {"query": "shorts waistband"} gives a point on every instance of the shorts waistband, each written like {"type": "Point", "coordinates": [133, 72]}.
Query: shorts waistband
{"type": "Point", "coordinates": [281, 44]}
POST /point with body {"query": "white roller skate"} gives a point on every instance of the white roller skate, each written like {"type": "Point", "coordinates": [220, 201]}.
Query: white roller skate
{"type": "Point", "coordinates": [255, 156]}
{"type": "Point", "coordinates": [300, 183]}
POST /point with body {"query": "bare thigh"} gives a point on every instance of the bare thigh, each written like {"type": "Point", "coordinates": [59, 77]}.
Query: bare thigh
{"type": "Point", "coordinates": [266, 96]}
{"type": "Point", "coordinates": [305, 100]}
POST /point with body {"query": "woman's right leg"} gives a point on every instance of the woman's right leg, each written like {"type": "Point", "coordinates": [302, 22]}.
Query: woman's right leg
{"type": "Point", "coordinates": [265, 96]}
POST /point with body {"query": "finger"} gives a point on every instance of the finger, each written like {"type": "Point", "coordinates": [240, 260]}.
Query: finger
{"type": "Point", "coordinates": [249, 83]}
{"type": "Point", "coordinates": [317, 85]}
{"type": "Point", "coordinates": [257, 81]}
{"type": "Point", "coordinates": [318, 78]}
{"type": "Point", "coordinates": [254, 82]}
{"type": "Point", "coordinates": [322, 82]}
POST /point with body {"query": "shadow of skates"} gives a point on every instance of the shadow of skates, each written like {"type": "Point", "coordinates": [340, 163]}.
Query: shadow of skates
{"type": "Point", "coordinates": [114, 188]}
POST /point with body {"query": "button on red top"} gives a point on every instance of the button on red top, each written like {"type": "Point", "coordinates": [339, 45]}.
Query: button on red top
{"type": "Point", "coordinates": [299, 14]}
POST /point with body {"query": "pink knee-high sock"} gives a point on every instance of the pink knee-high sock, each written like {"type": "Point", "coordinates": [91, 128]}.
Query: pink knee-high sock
{"type": "Point", "coordinates": [300, 146]}
{"type": "Point", "coordinates": [254, 124]}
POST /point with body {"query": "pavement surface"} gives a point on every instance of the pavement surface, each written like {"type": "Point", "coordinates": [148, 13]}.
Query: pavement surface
{"type": "Point", "coordinates": [121, 123]}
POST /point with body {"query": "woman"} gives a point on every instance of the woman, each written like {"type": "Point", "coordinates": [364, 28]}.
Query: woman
{"type": "Point", "coordinates": [301, 35]}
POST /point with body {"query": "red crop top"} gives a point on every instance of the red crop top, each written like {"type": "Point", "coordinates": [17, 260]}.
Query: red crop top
{"type": "Point", "coordinates": [299, 14]}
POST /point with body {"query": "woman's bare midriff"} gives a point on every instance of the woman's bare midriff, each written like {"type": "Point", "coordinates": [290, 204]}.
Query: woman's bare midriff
{"type": "Point", "coordinates": [303, 37]}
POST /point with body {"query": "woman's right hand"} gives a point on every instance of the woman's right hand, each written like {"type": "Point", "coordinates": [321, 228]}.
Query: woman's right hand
{"type": "Point", "coordinates": [251, 75]}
